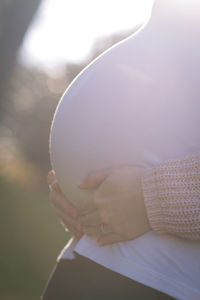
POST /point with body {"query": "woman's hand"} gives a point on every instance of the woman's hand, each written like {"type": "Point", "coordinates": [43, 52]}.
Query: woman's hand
{"type": "Point", "coordinates": [63, 208]}
{"type": "Point", "coordinates": [120, 212]}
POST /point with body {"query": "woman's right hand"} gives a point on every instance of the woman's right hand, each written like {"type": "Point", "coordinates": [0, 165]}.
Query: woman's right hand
{"type": "Point", "coordinates": [63, 208]}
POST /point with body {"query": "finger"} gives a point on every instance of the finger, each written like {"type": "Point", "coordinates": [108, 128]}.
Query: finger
{"type": "Point", "coordinates": [112, 238]}
{"type": "Point", "coordinates": [93, 231]}
{"type": "Point", "coordinates": [91, 219]}
{"type": "Point", "coordinates": [51, 177]}
{"type": "Point", "coordinates": [55, 186]}
{"type": "Point", "coordinates": [97, 231]}
{"type": "Point", "coordinates": [87, 205]}
{"type": "Point", "coordinates": [94, 179]}
{"type": "Point", "coordinates": [68, 222]}
{"type": "Point", "coordinates": [52, 181]}
{"type": "Point", "coordinates": [59, 200]}
{"type": "Point", "coordinates": [69, 228]}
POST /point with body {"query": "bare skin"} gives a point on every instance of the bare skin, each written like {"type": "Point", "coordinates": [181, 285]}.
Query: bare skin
{"type": "Point", "coordinates": [62, 207]}
{"type": "Point", "coordinates": [119, 213]}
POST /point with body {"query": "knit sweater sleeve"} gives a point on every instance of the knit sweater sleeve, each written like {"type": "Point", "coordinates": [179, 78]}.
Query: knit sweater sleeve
{"type": "Point", "coordinates": [172, 197]}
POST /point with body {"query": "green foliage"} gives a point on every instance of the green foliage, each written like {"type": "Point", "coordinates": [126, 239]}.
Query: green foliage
{"type": "Point", "coordinates": [31, 239]}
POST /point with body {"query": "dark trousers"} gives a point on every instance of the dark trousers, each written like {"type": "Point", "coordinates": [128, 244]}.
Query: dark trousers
{"type": "Point", "coordinates": [83, 279]}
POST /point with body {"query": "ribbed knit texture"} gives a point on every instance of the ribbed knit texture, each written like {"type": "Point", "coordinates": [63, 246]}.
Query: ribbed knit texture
{"type": "Point", "coordinates": [172, 197]}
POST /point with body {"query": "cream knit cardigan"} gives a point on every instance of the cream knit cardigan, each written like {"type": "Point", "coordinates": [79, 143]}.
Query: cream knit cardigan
{"type": "Point", "coordinates": [172, 197]}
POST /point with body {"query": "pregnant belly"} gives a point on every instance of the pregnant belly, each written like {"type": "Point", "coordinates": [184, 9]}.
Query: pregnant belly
{"type": "Point", "coordinates": [109, 117]}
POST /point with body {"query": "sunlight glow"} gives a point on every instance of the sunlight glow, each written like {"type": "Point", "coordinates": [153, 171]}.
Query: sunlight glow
{"type": "Point", "coordinates": [66, 30]}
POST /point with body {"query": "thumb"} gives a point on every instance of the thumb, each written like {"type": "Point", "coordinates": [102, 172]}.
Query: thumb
{"type": "Point", "coordinates": [94, 179]}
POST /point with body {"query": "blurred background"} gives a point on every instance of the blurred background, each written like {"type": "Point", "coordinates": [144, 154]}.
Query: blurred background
{"type": "Point", "coordinates": [44, 44]}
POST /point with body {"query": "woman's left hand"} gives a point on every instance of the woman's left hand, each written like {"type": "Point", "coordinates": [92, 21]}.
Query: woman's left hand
{"type": "Point", "coordinates": [120, 213]}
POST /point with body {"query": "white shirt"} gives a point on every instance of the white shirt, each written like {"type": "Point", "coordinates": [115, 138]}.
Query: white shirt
{"type": "Point", "coordinates": [163, 262]}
